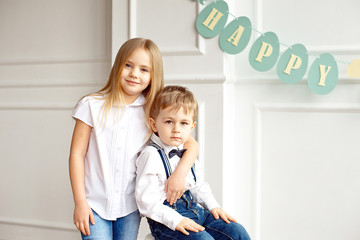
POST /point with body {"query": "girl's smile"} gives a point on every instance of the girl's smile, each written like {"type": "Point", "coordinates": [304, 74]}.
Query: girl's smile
{"type": "Point", "coordinates": [132, 82]}
{"type": "Point", "coordinates": [136, 75]}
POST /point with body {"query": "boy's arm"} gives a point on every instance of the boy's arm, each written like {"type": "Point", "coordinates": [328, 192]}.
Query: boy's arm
{"type": "Point", "coordinates": [149, 191]}
{"type": "Point", "coordinates": [175, 185]}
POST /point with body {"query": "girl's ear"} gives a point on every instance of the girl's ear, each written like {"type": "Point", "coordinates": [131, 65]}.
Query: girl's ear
{"type": "Point", "coordinates": [152, 125]}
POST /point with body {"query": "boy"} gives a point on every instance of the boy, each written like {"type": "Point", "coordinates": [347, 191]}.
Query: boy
{"type": "Point", "coordinates": [172, 118]}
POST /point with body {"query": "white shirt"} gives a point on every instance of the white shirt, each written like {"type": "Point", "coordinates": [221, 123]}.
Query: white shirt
{"type": "Point", "coordinates": [110, 171]}
{"type": "Point", "coordinates": [150, 185]}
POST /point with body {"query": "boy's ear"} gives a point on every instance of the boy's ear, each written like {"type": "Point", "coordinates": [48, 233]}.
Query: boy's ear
{"type": "Point", "coordinates": [152, 125]}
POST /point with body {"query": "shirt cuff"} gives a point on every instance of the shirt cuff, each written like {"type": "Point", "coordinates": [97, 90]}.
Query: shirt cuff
{"type": "Point", "coordinates": [175, 221]}
{"type": "Point", "coordinates": [210, 205]}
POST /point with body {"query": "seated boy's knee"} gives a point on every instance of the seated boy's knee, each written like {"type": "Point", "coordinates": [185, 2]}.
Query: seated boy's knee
{"type": "Point", "coordinates": [241, 232]}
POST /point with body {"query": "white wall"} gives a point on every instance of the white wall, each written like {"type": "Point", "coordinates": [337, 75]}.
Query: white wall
{"type": "Point", "coordinates": [297, 150]}
{"type": "Point", "coordinates": [294, 172]}
{"type": "Point", "coordinates": [51, 53]}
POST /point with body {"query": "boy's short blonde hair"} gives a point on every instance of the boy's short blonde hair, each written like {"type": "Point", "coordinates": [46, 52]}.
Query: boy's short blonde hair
{"type": "Point", "coordinates": [174, 97]}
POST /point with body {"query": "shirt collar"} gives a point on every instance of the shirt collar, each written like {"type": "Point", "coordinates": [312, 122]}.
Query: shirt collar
{"type": "Point", "coordinates": [166, 148]}
{"type": "Point", "coordinates": [139, 101]}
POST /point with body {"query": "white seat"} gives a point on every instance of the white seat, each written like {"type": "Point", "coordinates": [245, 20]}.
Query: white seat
{"type": "Point", "coordinates": [149, 237]}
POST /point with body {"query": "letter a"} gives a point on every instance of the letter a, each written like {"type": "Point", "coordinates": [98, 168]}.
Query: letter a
{"type": "Point", "coordinates": [294, 63]}
{"type": "Point", "coordinates": [213, 19]}
{"type": "Point", "coordinates": [265, 51]}
{"type": "Point", "coordinates": [323, 74]}
{"type": "Point", "coordinates": [236, 36]}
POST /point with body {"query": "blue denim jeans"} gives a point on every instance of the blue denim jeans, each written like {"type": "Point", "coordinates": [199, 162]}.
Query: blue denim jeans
{"type": "Point", "coordinates": [214, 228]}
{"type": "Point", "coordinates": [124, 228]}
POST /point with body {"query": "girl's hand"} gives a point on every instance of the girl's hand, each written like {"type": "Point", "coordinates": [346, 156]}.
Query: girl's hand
{"type": "Point", "coordinates": [188, 224]}
{"type": "Point", "coordinates": [175, 185]}
{"type": "Point", "coordinates": [174, 188]}
{"type": "Point", "coordinates": [82, 213]}
{"type": "Point", "coordinates": [216, 212]}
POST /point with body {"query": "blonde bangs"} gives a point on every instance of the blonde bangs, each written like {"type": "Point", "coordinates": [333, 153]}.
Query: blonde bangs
{"type": "Point", "coordinates": [174, 98]}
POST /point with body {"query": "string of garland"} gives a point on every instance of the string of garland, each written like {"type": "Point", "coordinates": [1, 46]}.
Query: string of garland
{"type": "Point", "coordinates": [281, 43]}
{"type": "Point", "coordinates": [292, 65]}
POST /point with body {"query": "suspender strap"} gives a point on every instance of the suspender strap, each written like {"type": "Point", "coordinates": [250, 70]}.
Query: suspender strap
{"type": "Point", "coordinates": [193, 171]}
{"type": "Point", "coordinates": [164, 159]}
{"type": "Point", "coordinates": [166, 162]}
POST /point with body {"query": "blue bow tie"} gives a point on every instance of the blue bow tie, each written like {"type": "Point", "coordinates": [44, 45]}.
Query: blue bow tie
{"type": "Point", "coordinates": [174, 152]}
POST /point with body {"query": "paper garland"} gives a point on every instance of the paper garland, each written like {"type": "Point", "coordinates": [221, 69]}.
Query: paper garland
{"type": "Point", "coordinates": [353, 70]}
{"type": "Point", "coordinates": [295, 57]}
{"type": "Point", "coordinates": [264, 53]}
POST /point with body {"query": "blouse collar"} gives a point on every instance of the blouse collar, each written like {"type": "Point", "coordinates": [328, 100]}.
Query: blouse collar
{"type": "Point", "coordinates": [139, 101]}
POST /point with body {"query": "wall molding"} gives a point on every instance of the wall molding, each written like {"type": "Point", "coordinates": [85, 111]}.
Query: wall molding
{"type": "Point", "coordinates": [45, 61]}
{"type": "Point", "coordinates": [104, 56]}
{"type": "Point", "coordinates": [169, 79]}
{"type": "Point", "coordinates": [200, 132]}
{"type": "Point", "coordinates": [334, 49]}
{"type": "Point", "coordinates": [35, 107]}
{"type": "Point", "coordinates": [194, 78]}
{"type": "Point", "coordinates": [198, 49]}
{"type": "Point", "coordinates": [24, 84]}
{"type": "Point", "coordinates": [308, 107]}
{"type": "Point", "coordinates": [257, 6]}
{"type": "Point", "coordinates": [179, 79]}
{"type": "Point", "coordinates": [312, 49]}
{"type": "Point", "coordinates": [259, 110]}
{"type": "Point", "coordinates": [37, 224]}
{"type": "Point", "coordinates": [274, 80]}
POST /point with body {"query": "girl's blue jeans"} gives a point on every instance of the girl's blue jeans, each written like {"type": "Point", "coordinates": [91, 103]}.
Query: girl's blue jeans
{"type": "Point", "coordinates": [124, 228]}
{"type": "Point", "coordinates": [214, 228]}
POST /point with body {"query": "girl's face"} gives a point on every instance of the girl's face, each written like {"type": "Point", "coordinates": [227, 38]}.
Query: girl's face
{"type": "Point", "coordinates": [136, 75]}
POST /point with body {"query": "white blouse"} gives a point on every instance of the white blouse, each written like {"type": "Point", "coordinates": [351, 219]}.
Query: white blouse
{"type": "Point", "coordinates": [110, 169]}
{"type": "Point", "coordinates": [150, 185]}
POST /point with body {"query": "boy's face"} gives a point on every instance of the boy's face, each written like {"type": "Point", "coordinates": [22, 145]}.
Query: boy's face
{"type": "Point", "coordinates": [173, 127]}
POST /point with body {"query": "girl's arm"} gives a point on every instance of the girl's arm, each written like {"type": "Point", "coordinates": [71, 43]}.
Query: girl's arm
{"type": "Point", "coordinates": [175, 184]}
{"type": "Point", "coordinates": [150, 178]}
{"type": "Point", "coordinates": [79, 144]}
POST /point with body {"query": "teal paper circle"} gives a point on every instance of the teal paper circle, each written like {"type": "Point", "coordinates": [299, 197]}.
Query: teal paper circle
{"type": "Point", "coordinates": [229, 30]}
{"type": "Point", "coordinates": [267, 62]}
{"type": "Point", "coordinates": [220, 6]}
{"type": "Point", "coordinates": [295, 74]}
{"type": "Point", "coordinates": [314, 74]}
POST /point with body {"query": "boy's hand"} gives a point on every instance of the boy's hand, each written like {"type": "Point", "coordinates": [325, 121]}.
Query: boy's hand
{"type": "Point", "coordinates": [219, 212]}
{"type": "Point", "coordinates": [82, 213]}
{"type": "Point", "coordinates": [174, 188]}
{"type": "Point", "coordinates": [188, 224]}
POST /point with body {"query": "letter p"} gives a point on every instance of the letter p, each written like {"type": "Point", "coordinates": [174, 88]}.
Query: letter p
{"type": "Point", "coordinates": [265, 51]}
{"type": "Point", "coordinates": [294, 63]}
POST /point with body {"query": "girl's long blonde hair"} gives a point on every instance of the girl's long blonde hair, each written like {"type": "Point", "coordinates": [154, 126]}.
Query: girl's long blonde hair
{"type": "Point", "coordinates": [112, 91]}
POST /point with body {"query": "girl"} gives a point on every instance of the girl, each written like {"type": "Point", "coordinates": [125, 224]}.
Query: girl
{"type": "Point", "coordinates": [110, 131]}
